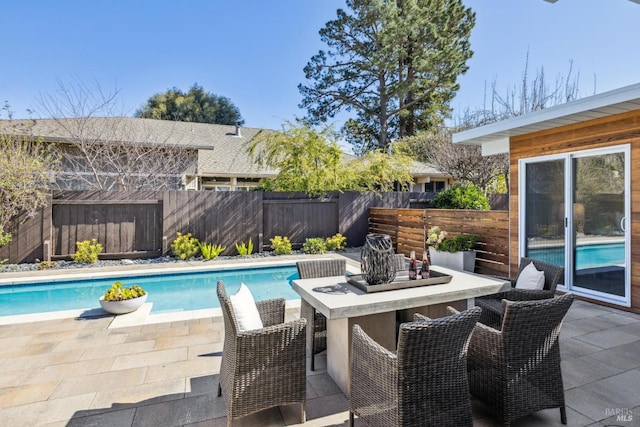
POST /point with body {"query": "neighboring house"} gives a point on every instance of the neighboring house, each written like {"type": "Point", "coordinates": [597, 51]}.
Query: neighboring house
{"type": "Point", "coordinates": [213, 157]}
{"type": "Point", "coordinates": [574, 197]}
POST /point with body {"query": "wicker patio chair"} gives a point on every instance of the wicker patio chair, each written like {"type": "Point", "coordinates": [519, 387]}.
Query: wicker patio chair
{"type": "Point", "coordinates": [423, 384]}
{"type": "Point", "coordinates": [515, 371]}
{"type": "Point", "coordinates": [314, 269]}
{"type": "Point", "coordinates": [492, 310]}
{"type": "Point", "coordinates": [265, 367]}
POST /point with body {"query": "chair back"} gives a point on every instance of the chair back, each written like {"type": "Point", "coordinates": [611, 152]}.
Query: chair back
{"type": "Point", "coordinates": [316, 268]}
{"type": "Point", "coordinates": [228, 316]}
{"type": "Point", "coordinates": [432, 369]}
{"type": "Point", "coordinates": [530, 329]}
{"type": "Point", "coordinates": [553, 274]}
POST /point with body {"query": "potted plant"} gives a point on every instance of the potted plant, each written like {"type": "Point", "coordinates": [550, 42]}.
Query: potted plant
{"type": "Point", "coordinates": [456, 253]}
{"type": "Point", "coordinates": [119, 300]}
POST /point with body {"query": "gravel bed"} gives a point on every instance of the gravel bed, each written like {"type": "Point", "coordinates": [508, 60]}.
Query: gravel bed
{"type": "Point", "coordinates": [61, 265]}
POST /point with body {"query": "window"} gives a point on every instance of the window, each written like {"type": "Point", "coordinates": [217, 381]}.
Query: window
{"type": "Point", "coordinates": [434, 186]}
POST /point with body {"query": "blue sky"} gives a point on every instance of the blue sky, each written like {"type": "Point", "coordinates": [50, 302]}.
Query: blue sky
{"type": "Point", "coordinates": [253, 51]}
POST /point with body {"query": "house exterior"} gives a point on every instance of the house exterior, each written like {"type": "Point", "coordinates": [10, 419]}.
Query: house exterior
{"type": "Point", "coordinates": [574, 200]}
{"type": "Point", "coordinates": [211, 157]}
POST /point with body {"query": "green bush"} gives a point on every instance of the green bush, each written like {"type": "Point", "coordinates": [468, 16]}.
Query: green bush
{"type": "Point", "coordinates": [281, 245]}
{"type": "Point", "coordinates": [461, 242]}
{"type": "Point", "coordinates": [314, 245]}
{"type": "Point", "coordinates": [43, 265]}
{"type": "Point", "coordinates": [461, 197]}
{"type": "Point", "coordinates": [244, 250]}
{"type": "Point", "coordinates": [117, 293]}
{"type": "Point", "coordinates": [87, 251]}
{"type": "Point", "coordinates": [5, 238]}
{"type": "Point", "coordinates": [210, 251]}
{"type": "Point", "coordinates": [185, 246]}
{"type": "Point", "coordinates": [336, 242]}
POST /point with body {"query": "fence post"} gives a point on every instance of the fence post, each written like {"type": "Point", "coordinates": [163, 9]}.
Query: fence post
{"type": "Point", "coordinates": [165, 248]}
{"type": "Point", "coordinates": [46, 250]}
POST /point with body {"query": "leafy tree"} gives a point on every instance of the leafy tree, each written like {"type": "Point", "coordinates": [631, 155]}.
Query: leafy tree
{"type": "Point", "coordinates": [26, 164]}
{"type": "Point", "coordinates": [395, 63]}
{"type": "Point", "coordinates": [194, 106]}
{"type": "Point", "coordinates": [465, 163]}
{"type": "Point", "coordinates": [310, 161]}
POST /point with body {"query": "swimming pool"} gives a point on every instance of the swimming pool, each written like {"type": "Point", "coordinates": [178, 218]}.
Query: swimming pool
{"type": "Point", "coordinates": [169, 292]}
{"type": "Point", "coordinates": [594, 255]}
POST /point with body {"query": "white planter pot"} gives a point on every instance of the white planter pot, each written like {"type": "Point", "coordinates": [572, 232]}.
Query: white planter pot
{"type": "Point", "coordinates": [462, 261]}
{"type": "Point", "coordinates": [122, 307]}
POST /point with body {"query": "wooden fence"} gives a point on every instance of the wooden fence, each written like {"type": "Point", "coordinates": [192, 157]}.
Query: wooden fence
{"type": "Point", "coordinates": [132, 224]}
{"type": "Point", "coordinates": [408, 228]}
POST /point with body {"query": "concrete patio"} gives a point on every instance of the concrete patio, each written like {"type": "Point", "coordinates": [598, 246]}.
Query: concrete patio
{"type": "Point", "coordinates": [78, 372]}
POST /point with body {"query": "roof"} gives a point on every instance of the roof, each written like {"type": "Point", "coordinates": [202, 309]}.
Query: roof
{"type": "Point", "coordinates": [494, 138]}
{"type": "Point", "coordinates": [221, 151]}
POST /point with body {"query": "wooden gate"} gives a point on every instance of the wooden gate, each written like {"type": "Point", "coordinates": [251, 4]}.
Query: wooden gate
{"type": "Point", "coordinates": [121, 226]}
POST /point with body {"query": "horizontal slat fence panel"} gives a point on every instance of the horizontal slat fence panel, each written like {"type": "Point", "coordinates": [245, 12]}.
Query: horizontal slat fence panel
{"type": "Point", "coordinates": [408, 227]}
{"type": "Point", "coordinates": [410, 231]}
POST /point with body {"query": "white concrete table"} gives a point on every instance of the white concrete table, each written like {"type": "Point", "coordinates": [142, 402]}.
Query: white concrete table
{"type": "Point", "coordinates": [345, 305]}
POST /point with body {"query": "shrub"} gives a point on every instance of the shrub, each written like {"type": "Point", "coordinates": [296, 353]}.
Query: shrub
{"type": "Point", "coordinates": [437, 239]}
{"type": "Point", "coordinates": [314, 245]}
{"type": "Point", "coordinates": [281, 245]}
{"type": "Point", "coordinates": [461, 197]}
{"type": "Point", "coordinates": [336, 243]}
{"type": "Point", "coordinates": [117, 293]}
{"type": "Point", "coordinates": [5, 238]}
{"type": "Point", "coordinates": [210, 251]}
{"type": "Point", "coordinates": [185, 246]}
{"type": "Point", "coordinates": [244, 250]}
{"type": "Point", "coordinates": [87, 251]}
{"type": "Point", "coordinates": [43, 265]}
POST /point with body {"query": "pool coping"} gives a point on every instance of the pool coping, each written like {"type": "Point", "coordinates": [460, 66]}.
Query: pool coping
{"type": "Point", "coordinates": [143, 315]}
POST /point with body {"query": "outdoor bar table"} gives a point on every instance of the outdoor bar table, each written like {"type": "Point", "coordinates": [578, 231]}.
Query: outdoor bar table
{"type": "Point", "coordinates": [345, 305]}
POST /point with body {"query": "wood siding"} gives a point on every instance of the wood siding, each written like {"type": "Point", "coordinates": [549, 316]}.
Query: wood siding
{"type": "Point", "coordinates": [598, 133]}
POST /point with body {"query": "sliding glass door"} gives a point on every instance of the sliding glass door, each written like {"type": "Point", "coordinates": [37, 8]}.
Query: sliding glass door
{"type": "Point", "coordinates": [574, 213]}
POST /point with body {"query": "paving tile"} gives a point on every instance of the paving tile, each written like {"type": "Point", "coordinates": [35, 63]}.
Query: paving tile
{"type": "Point", "coordinates": [584, 370]}
{"type": "Point", "coordinates": [112, 380]}
{"type": "Point", "coordinates": [607, 338]}
{"type": "Point", "coordinates": [118, 350]}
{"type": "Point", "coordinates": [155, 333]}
{"type": "Point", "coordinates": [30, 393]}
{"type": "Point", "coordinates": [633, 329]}
{"type": "Point", "coordinates": [12, 378]}
{"type": "Point", "coordinates": [203, 385]}
{"type": "Point", "coordinates": [183, 369]}
{"type": "Point", "coordinates": [47, 412]}
{"type": "Point", "coordinates": [584, 312]}
{"type": "Point", "coordinates": [594, 399]}
{"type": "Point", "coordinates": [54, 337]}
{"type": "Point", "coordinates": [323, 385]}
{"type": "Point", "coordinates": [326, 406]}
{"type": "Point", "coordinates": [213, 349]}
{"type": "Point", "coordinates": [572, 347]}
{"type": "Point", "coordinates": [185, 341]}
{"type": "Point", "coordinates": [180, 412]}
{"type": "Point", "coordinates": [625, 357]}
{"type": "Point", "coordinates": [150, 358]}
{"type": "Point", "coordinates": [107, 419]}
{"type": "Point", "coordinates": [90, 342]}
{"type": "Point", "coordinates": [67, 370]}
{"type": "Point", "coordinates": [143, 394]}
{"type": "Point", "coordinates": [9, 344]}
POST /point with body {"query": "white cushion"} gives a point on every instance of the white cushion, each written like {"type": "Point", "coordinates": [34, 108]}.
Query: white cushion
{"type": "Point", "coordinates": [530, 278]}
{"type": "Point", "coordinates": [244, 307]}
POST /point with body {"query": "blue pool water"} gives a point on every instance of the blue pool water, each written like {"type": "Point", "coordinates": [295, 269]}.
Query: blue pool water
{"type": "Point", "coordinates": [587, 256]}
{"type": "Point", "coordinates": [167, 292]}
